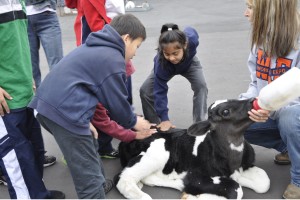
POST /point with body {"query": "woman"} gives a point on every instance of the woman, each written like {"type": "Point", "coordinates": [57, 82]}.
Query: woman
{"type": "Point", "coordinates": [275, 50]}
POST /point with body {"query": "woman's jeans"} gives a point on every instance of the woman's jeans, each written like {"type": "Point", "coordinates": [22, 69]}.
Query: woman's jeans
{"type": "Point", "coordinates": [44, 28]}
{"type": "Point", "coordinates": [282, 134]}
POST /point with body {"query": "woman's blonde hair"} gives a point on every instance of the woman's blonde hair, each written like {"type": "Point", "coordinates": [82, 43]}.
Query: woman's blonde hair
{"type": "Point", "coordinates": [275, 26]}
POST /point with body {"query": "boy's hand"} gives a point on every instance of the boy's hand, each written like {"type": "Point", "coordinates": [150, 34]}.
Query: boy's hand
{"type": "Point", "coordinates": [144, 134]}
{"type": "Point", "coordinates": [165, 126]}
{"type": "Point", "coordinates": [94, 131]}
{"type": "Point", "coordinates": [33, 86]}
{"type": "Point", "coordinates": [142, 124]}
{"type": "Point", "coordinates": [3, 104]}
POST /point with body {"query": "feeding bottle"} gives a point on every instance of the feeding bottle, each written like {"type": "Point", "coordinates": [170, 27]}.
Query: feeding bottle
{"type": "Point", "coordinates": [279, 92]}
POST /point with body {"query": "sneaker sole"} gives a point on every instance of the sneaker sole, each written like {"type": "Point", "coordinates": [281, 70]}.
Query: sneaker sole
{"type": "Point", "coordinates": [49, 164]}
{"type": "Point", "coordinates": [109, 157]}
{"type": "Point", "coordinates": [282, 162]}
{"type": "Point", "coordinates": [64, 161]}
{"type": "Point", "coordinates": [3, 183]}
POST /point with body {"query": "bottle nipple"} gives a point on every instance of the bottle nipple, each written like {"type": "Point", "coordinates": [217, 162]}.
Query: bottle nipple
{"type": "Point", "coordinates": [255, 105]}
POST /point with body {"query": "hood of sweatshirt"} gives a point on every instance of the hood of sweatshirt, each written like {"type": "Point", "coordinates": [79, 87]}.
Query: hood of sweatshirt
{"type": "Point", "coordinates": [109, 37]}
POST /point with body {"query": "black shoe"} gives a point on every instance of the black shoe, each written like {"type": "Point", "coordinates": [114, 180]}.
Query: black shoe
{"type": "Point", "coordinates": [3, 181]}
{"type": "Point", "coordinates": [111, 155]}
{"type": "Point", "coordinates": [108, 185]}
{"type": "Point", "coordinates": [282, 159]}
{"type": "Point", "coordinates": [55, 194]}
{"type": "Point", "coordinates": [49, 160]}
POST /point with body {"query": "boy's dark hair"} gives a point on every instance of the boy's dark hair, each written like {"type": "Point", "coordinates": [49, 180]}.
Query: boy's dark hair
{"type": "Point", "coordinates": [170, 33]}
{"type": "Point", "coordinates": [129, 24]}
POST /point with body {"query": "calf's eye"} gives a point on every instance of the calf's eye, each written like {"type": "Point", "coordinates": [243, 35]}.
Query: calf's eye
{"type": "Point", "coordinates": [225, 113]}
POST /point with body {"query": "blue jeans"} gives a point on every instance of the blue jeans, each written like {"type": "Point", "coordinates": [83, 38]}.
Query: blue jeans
{"type": "Point", "coordinates": [44, 28]}
{"type": "Point", "coordinates": [80, 152]}
{"type": "Point", "coordinates": [60, 3]}
{"type": "Point", "coordinates": [195, 76]}
{"type": "Point", "coordinates": [282, 134]}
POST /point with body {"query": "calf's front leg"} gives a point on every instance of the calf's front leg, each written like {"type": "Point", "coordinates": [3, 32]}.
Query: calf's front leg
{"type": "Point", "coordinates": [254, 178]}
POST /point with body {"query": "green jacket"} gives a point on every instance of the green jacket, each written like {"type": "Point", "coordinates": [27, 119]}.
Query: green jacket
{"type": "Point", "coordinates": [15, 63]}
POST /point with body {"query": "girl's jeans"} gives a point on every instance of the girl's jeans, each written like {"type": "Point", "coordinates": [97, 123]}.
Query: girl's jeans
{"type": "Point", "coordinates": [282, 134]}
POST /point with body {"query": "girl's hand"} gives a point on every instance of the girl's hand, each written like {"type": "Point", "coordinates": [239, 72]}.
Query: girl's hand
{"type": "Point", "coordinates": [165, 126]}
{"type": "Point", "coordinates": [259, 115]}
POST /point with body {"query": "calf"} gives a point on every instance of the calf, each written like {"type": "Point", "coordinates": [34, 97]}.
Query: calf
{"type": "Point", "coordinates": [209, 159]}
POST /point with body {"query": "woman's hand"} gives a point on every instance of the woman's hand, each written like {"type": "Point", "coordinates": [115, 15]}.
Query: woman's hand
{"type": "Point", "coordinates": [259, 115]}
{"type": "Point", "coordinates": [165, 126]}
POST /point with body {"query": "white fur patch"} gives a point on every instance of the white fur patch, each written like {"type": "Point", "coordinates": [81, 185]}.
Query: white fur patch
{"type": "Point", "coordinates": [240, 193]}
{"type": "Point", "coordinates": [218, 102]}
{"type": "Point", "coordinates": [216, 180]}
{"type": "Point", "coordinates": [254, 178]}
{"type": "Point", "coordinates": [153, 159]}
{"type": "Point", "coordinates": [237, 148]}
{"type": "Point", "coordinates": [173, 180]}
{"type": "Point", "coordinates": [198, 141]}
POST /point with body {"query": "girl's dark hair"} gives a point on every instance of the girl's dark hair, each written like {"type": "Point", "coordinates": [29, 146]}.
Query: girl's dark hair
{"type": "Point", "coordinates": [129, 24]}
{"type": "Point", "coordinates": [170, 33]}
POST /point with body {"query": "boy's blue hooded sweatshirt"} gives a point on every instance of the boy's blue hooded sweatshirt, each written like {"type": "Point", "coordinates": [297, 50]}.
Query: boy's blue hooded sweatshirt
{"type": "Point", "coordinates": [94, 72]}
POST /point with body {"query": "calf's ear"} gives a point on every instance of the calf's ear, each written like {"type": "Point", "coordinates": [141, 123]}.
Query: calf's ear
{"type": "Point", "coordinates": [199, 128]}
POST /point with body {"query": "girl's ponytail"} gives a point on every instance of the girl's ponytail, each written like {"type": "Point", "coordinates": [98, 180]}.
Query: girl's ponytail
{"type": "Point", "coordinates": [168, 27]}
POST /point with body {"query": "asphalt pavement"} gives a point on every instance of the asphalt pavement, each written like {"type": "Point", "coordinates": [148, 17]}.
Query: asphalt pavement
{"type": "Point", "coordinates": [223, 52]}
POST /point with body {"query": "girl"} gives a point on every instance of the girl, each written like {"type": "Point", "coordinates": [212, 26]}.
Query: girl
{"type": "Point", "coordinates": [176, 56]}
{"type": "Point", "coordinates": [275, 50]}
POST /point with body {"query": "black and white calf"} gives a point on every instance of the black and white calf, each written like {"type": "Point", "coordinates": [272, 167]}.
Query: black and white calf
{"type": "Point", "coordinates": [214, 164]}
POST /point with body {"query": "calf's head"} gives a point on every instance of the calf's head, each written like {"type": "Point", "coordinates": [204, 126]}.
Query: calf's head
{"type": "Point", "coordinates": [226, 117]}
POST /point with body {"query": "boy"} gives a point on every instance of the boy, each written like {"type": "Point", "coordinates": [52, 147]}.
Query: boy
{"type": "Point", "coordinates": [67, 98]}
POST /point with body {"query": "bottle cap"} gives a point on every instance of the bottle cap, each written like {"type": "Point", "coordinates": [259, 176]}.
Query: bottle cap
{"type": "Point", "coordinates": [255, 105]}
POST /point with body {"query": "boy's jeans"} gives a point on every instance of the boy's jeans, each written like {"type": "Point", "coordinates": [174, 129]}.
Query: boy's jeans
{"type": "Point", "coordinates": [44, 28]}
{"type": "Point", "coordinates": [80, 152]}
{"type": "Point", "coordinates": [282, 134]}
